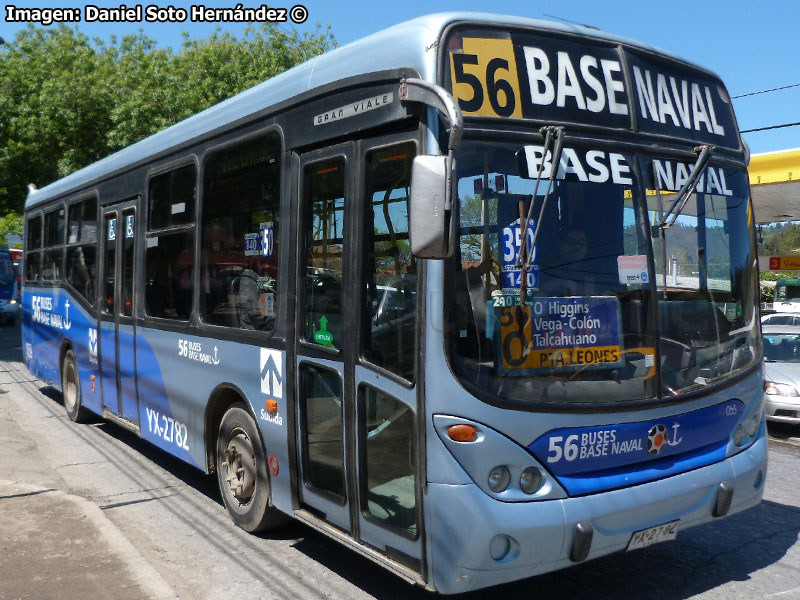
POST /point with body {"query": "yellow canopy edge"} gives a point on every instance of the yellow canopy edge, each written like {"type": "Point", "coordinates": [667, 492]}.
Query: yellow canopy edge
{"type": "Point", "coordinates": [775, 167]}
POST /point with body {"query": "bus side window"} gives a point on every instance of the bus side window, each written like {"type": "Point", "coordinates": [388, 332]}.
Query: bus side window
{"type": "Point", "coordinates": [81, 269]}
{"type": "Point", "coordinates": [33, 248]}
{"type": "Point", "coordinates": [169, 243]}
{"type": "Point", "coordinates": [53, 258]}
{"type": "Point", "coordinates": [239, 235]}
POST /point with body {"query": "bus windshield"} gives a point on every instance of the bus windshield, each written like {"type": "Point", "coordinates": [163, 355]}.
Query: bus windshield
{"type": "Point", "coordinates": [6, 269]}
{"type": "Point", "coordinates": [587, 330]}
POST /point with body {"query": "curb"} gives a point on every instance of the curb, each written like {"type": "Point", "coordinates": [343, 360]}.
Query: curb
{"type": "Point", "coordinates": [140, 570]}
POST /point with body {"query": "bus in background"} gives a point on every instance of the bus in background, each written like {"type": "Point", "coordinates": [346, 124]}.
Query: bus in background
{"type": "Point", "coordinates": [9, 288]}
{"type": "Point", "coordinates": [421, 281]}
{"type": "Point", "coordinates": [16, 259]}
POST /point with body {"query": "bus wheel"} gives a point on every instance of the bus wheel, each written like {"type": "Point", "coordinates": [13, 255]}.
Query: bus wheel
{"type": "Point", "coordinates": [242, 472]}
{"type": "Point", "coordinates": [71, 388]}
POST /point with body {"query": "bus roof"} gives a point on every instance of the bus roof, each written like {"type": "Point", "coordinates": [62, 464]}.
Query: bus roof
{"type": "Point", "coordinates": [406, 45]}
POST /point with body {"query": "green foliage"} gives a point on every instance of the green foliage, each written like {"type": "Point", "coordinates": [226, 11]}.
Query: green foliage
{"type": "Point", "coordinates": [767, 293]}
{"type": "Point", "coordinates": [10, 224]}
{"type": "Point", "coordinates": [67, 101]}
{"type": "Point", "coordinates": [780, 240]}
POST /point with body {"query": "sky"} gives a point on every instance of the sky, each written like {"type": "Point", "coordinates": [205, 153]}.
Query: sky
{"type": "Point", "coordinates": [751, 46]}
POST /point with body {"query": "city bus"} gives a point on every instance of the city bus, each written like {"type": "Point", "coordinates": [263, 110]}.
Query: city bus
{"type": "Point", "coordinates": [414, 293]}
{"type": "Point", "coordinates": [9, 287]}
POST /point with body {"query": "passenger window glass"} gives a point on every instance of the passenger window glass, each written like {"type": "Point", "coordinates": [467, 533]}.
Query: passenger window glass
{"type": "Point", "coordinates": [390, 460]}
{"type": "Point", "coordinates": [168, 281]}
{"type": "Point", "coordinates": [110, 265]}
{"type": "Point", "coordinates": [391, 280]}
{"type": "Point", "coordinates": [82, 222]}
{"type": "Point", "coordinates": [324, 253]}
{"type": "Point", "coordinates": [127, 241]}
{"type": "Point", "coordinates": [241, 215]}
{"type": "Point", "coordinates": [81, 268]}
{"type": "Point", "coordinates": [321, 406]}
{"type": "Point", "coordinates": [54, 228]}
{"type": "Point", "coordinates": [33, 244]}
{"type": "Point", "coordinates": [169, 255]}
{"type": "Point", "coordinates": [34, 241]}
{"type": "Point", "coordinates": [53, 257]}
{"type": "Point", "coordinates": [172, 198]}
{"type": "Point", "coordinates": [33, 261]}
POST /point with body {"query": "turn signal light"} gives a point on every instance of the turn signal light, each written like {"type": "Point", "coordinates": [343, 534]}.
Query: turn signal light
{"type": "Point", "coordinates": [272, 406]}
{"type": "Point", "coordinates": [462, 433]}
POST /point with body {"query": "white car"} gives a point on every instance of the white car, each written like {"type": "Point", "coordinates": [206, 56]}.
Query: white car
{"type": "Point", "coordinates": [781, 318]}
{"type": "Point", "coordinates": [782, 373]}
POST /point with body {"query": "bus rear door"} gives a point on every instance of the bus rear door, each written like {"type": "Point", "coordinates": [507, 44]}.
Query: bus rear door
{"type": "Point", "coordinates": [117, 310]}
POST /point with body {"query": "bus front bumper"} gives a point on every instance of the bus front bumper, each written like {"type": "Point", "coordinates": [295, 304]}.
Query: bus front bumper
{"type": "Point", "coordinates": [9, 310]}
{"type": "Point", "coordinates": [469, 531]}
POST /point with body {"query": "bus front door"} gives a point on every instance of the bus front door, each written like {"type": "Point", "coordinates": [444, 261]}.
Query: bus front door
{"type": "Point", "coordinates": [116, 322]}
{"type": "Point", "coordinates": [356, 326]}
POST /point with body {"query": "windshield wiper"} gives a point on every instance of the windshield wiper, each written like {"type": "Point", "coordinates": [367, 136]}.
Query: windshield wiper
{"type": "Point", "coordinates": [552, 135]}
{"type": "Point", "coordinates": [688, 187]}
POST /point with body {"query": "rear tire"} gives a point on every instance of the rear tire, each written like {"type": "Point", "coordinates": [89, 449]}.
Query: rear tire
{"type": "Point", "coordinates": [71, 389]}
{"type": "Point", "coordinates": [242, 472]}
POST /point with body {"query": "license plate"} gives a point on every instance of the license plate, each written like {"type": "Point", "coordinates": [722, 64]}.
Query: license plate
{"type": "Point", "coordinates": [653, 535]}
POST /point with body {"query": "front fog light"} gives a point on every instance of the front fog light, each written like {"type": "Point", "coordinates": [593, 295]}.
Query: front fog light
{"type": "Point", "coordinates": [499, 478]}
{"type": "Point", "coordinates": [752, 423]}
{"type": "Point", "coordinates": [738, 434]}
{"type": "Point", "coordinates": [531, 480]}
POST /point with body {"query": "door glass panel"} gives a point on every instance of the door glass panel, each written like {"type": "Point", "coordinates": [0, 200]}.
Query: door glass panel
{"type": "Point", "coordinates": [321, 413]}
{"type": "Point", "coordinates": [109, 266]}
{"type": "Point", "coordinates": [127, 265]}
{"type": "Point", "coordinates": [391, 280]}
{"type": "Point", "coordinates": [324, 253]}
{"type": "Point", "coordinates": [390, 460]}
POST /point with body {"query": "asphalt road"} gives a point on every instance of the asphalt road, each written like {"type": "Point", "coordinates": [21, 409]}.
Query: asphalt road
{"type": "Point", "coordinates": [124, 520]}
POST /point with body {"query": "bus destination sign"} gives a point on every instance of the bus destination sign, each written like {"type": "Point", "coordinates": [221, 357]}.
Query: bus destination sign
{"type": "Point", "coordinates": [553, 80]}
{"type": "Point", "coordinates": [558, 334]}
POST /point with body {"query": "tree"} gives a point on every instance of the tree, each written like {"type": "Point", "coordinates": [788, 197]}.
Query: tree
{"type": "Point", "coordinates": [10, 225]}
{"type": "Point", "coordinates": [67, 101]}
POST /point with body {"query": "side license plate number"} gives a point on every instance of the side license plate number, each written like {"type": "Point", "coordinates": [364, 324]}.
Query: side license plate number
{"type": "Point", "coordinates": [653, 535]}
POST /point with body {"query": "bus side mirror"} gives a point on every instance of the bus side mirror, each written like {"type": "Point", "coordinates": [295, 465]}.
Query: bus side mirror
{"type": "Point", "coordinates": [431, 215]}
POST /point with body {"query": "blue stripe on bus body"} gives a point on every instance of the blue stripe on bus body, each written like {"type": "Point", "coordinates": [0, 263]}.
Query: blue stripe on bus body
{"type": "Point", "coordinates": [589, 483]}
{"type": "Point", "coordinates": [170, 388]}
{"type": "Point", "coordinates": [593, 459]}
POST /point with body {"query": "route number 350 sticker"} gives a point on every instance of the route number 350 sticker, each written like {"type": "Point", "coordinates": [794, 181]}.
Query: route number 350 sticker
{"type": "Point", "coordinates": [168, 429]}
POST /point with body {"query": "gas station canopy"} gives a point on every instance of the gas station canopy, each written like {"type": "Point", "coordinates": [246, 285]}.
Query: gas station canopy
{"type": "Point", "coordinates": [775, 186]}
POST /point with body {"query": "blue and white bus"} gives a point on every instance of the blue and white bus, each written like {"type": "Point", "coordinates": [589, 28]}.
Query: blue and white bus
{"type": "Point", "coordinates": [415, 294]}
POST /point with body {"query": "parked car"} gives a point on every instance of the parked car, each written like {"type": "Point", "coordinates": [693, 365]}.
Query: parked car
{"type": "Point", "coordinates": [781, 318]}
{"type": "Point", "coordinates": [782, 373]}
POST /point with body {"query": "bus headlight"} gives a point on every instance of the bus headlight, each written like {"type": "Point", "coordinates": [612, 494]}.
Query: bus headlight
{"type": "Point", "coordinates": [499, 478]}
{"type": "Point", "coordinates": [753, 421]}
{"type": "Point", "coordinates": [738, 435]}
{"type": "Point", "coordinates": [531, 480]}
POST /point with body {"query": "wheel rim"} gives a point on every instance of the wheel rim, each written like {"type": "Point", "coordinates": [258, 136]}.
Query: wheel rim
{"type": "Point", "coordinates": [70, 386]}
{"type": "Point", "coordinates": [240, 467]}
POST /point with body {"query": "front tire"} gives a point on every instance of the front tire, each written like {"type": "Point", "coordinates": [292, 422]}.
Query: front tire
{"type": "Point", "coordinates": [242, 472]}
{"type": "Point", "coordinates": [71, 389]}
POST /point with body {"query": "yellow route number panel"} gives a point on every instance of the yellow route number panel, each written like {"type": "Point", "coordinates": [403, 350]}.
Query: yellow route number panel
{"type": "Point", "coordinates": [485, 79]}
